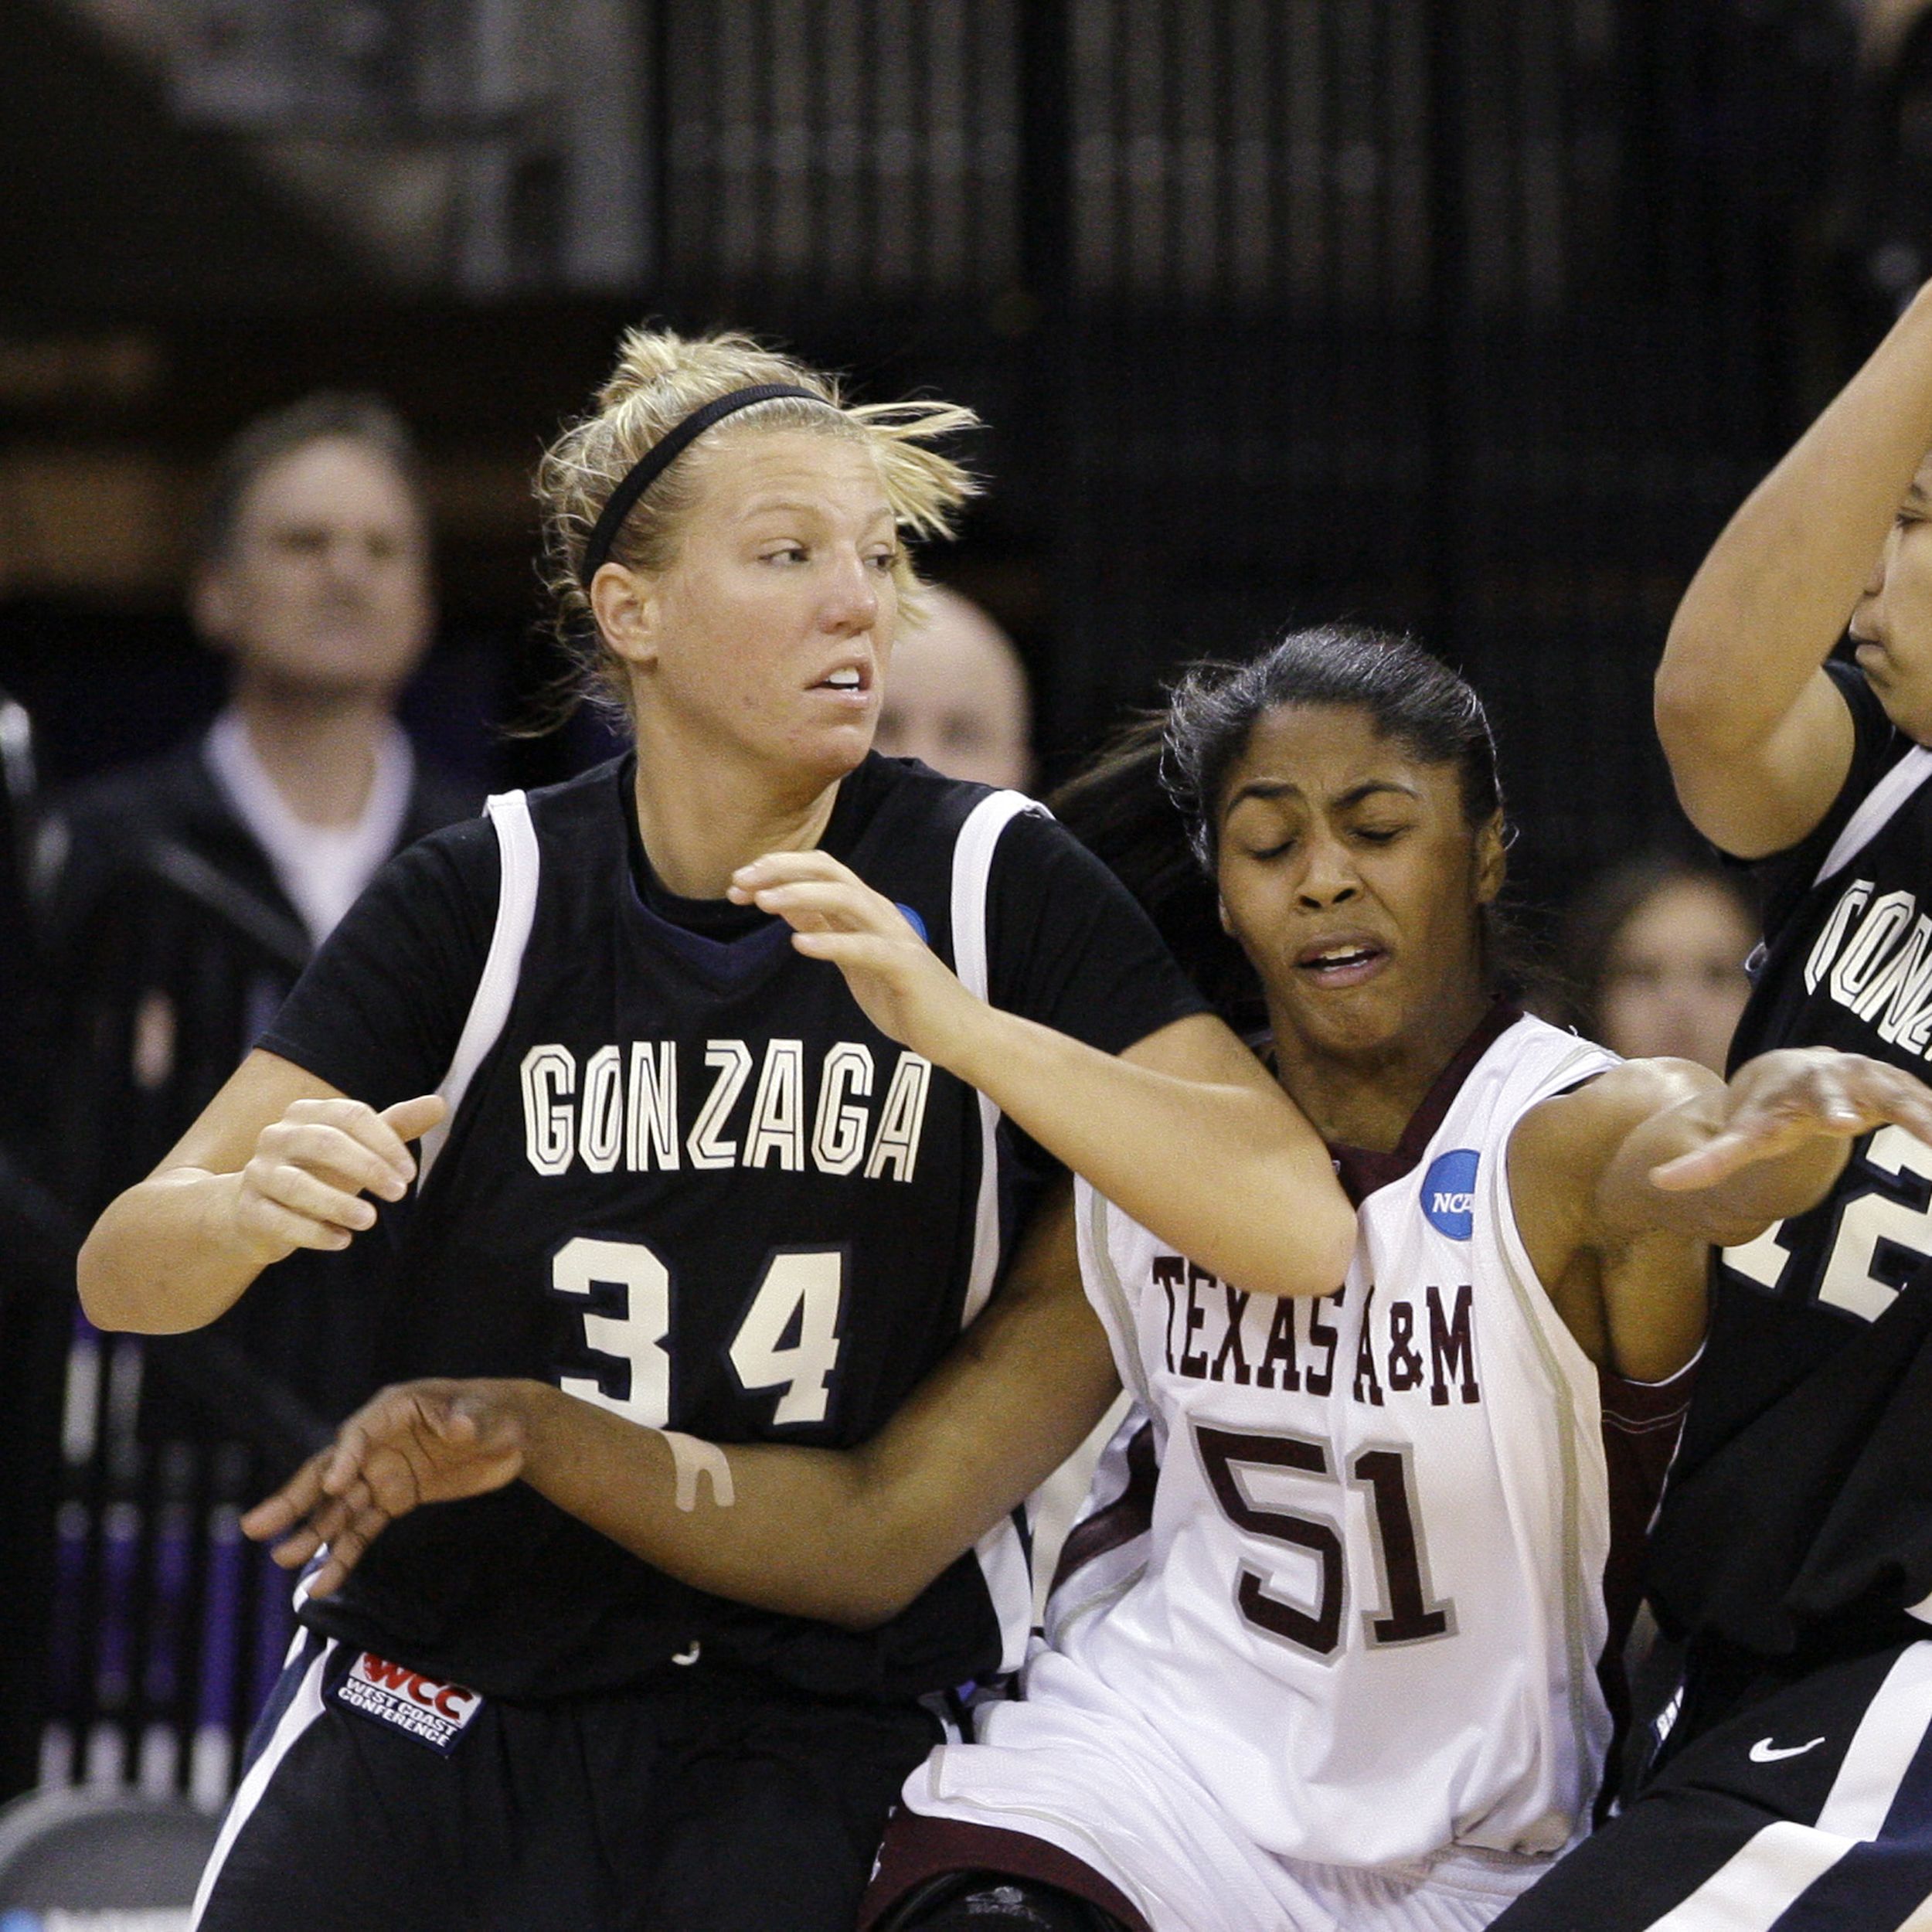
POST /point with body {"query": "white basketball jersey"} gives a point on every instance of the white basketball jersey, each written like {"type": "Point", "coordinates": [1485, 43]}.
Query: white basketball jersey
{"type": "Point", "coordinates": [1369, 1610]}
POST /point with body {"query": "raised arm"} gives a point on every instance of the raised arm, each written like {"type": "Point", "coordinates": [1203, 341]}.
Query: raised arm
{"type": "Point", "coordinates": [277, 1160]}
{"type": "Point", "coordinates": [1185, 1131]}
{"type": "Point", "coordinates": [849, 1535]}
{"type": "Point", "coordinates": [1622, 1187]}
{"type": "Point", "coordinates": [1758, 739]}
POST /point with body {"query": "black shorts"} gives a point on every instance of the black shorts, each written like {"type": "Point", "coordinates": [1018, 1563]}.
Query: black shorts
{"type": "Point", "coordinates": [375, 1800]}
{"type": "Point", "coordinates": [1810, 1810]}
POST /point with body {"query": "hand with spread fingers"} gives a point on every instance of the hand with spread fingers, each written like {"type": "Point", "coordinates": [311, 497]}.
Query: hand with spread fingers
{"type": "Point", "coordinates": [901, 985]}
{"type": "Point", "coordinates": [419, 1442]}
{"type": "Point", "coordinates": [1777, 1106]}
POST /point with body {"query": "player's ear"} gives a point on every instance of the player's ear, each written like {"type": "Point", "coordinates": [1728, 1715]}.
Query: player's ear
{"type": "Point", "coordinates": [628, 610]}
{"type": "Point", "coordinates": [1221, 911]}
{"type": "Point", "coordinates": [1492, 860]}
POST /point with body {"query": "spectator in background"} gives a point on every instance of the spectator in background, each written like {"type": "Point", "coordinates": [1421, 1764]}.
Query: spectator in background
{"type": "Point", "coordinates": [182, 897]}
{"type": "Point", "coordinates": [957, 697]}
{"type": "Point", "coordinates": [1656, 948]}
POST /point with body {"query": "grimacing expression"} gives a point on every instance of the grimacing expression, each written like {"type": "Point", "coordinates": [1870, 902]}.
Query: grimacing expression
{"type": "Point", "coordinates": [1892, 623]}
{"type": "Point", "coordinates": [324, 585]}
{"type": "Point", "coordinates": [767, 634]}
{"type": "Point", "coordinates": [1351, 879]}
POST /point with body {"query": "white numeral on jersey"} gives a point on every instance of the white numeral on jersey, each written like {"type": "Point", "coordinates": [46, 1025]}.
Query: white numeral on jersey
{"type": "Point", "coordinates": [801, 1296]}
{"type": "Point", "coordinates": [636, 1336]}
{"type": "Point", "coordinates": [804, 1286]}
{"type": "Point", "coordinates": [1870, 1221]}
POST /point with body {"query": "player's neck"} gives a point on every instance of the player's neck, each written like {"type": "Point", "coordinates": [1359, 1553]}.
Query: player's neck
{"type": "Point", "coordinates": [320, 750]}
{"type": "Point", "coordinates": [704, 822]}
{"type": "Point", "coordinates": [1366, 1098]}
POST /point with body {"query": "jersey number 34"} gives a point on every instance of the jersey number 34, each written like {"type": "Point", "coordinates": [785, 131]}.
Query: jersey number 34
{"type": "Point", "coordinates": [800, 1293]}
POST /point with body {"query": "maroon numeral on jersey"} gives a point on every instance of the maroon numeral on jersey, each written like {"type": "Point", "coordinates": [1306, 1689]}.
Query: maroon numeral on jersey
{"type": "Point", "coordinates": [1410, 1617]}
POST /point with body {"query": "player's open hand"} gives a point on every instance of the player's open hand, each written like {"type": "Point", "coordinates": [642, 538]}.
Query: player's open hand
{"type": "Point", "coordinates": [302, 1186]}
{"type": "Point", "coordinates": [1776, 1104]}
{"type": "Point", "coordinates": [900, 984]}
{"type": "Point", "coordinates": [417, 1443]}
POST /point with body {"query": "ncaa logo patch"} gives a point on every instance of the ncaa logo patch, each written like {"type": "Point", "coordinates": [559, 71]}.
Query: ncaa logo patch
{"type": "Point", "coordinates": [432, 1712]}
{"type": "Point", "coordinates": [1449, 1192]}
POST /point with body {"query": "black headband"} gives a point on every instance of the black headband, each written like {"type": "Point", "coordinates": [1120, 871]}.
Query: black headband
{"type": "Point", "coordinates": [662, 453]}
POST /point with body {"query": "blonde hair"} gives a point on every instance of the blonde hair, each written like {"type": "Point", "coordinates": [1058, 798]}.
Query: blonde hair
{"type": "Point", "coordinates": [661, 378]}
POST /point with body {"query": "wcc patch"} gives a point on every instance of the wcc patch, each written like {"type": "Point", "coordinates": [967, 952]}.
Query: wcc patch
{"type": "Point", "coordinates": [432, 1712]}
{"type": "Point", "coordinates": [1449, 1192]}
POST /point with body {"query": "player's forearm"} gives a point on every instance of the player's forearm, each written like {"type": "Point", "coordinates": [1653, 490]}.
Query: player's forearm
{"type": "Point", "coordinates": [809, 1533]}
{"type": "Point", "coordinates": [1230, 1174]}
{"type": "Point", "coordinates": [1776, 591]}
{"type": "Point", "coordinates": [167, 1256]}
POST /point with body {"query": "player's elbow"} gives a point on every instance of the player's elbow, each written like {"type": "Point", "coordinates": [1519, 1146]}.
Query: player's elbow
{"type": "Point", "coordinates": [1306, 1249]}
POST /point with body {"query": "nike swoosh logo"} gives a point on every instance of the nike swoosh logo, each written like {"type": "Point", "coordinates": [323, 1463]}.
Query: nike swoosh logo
{"type": "Point", "coordinates": [1765, 1751]}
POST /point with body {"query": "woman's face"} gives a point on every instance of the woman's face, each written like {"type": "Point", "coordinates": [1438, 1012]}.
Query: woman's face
{"type": "Point", "coordinates": [768, 633]}
{"type": "Point", "coordinates": [1892, 623]}
{"type": "Point", "coordinates": [1674, 981]}
{"type": "Point", "coordinates": [1353, 883]}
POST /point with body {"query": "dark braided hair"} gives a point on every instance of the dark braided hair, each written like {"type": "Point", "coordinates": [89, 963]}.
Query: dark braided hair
{"type": "Point", "coordinates": [1148, 805]}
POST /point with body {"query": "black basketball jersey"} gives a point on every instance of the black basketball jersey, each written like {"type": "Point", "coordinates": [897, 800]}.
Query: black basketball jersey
{"type": "Point", "coordinates": [1800, 1504]}
{"type": "Point", "coordinates": [684, 1178]}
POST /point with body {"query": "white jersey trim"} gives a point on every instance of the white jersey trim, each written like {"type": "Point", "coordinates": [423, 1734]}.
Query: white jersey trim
{"type": "Point", "coordinates": [1002, 1552]}
{"type": "Point", "coordinates": [1879, 807]}
{"type": "Point", "coordinates": [1578, 1428]}
{"type": "Point", "coordinates": [509, 812]}
{"type": "Point", "coordinates": [304, 1708]}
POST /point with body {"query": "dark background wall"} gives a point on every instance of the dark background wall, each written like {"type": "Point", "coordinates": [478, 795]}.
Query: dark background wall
{"type": "Point", "coordinates": [1474, 316]}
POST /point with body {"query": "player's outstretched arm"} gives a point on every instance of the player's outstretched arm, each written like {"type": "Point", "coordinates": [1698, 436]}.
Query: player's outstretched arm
{"type": "Point", "coordinates": [1758, 738]}
{"type": "Point", "coordinates": [277, 1160]}
{"type": "Point", "coordinates": [1622, 1186]}
{"type": "Point", "coordinates": [1185, 1131]}
{"type": "Point", "coordinates": [851, 1535]}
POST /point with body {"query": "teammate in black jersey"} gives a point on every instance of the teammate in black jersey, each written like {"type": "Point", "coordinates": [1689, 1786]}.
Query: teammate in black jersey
{"type": "Point", "coordinates": [675, 1167]}
{"type": "Point", "coordinates": [1793, 1549]}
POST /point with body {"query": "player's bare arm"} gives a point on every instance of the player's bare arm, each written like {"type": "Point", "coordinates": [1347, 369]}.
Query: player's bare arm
{"type": "Point", "coordinates": [851, 1536]}
{"type": "Point", "coordinates": [1622, 1186]}
{"type": "Point", "coordinates": [1185, 1132]}
{"type": "Point", "coordinates": [1758, 739]}
{"type": "Point", "coordinates": [277, 1160]}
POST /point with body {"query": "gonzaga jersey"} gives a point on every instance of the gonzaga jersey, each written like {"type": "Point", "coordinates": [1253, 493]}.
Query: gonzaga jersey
{"type": "Point", "coordinates": [1808, 1420]}
{"type": "Point", "coordinates": [1367, 1608]}
{"type": "Point", "coordinates": [684, 1179]}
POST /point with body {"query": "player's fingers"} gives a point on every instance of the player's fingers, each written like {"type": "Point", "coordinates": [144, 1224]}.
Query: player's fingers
{"type": "Point", "coordinates": [307, 1194]}
{"type": "Point", "coordinates": [830, 905]}
{"type": "Point", "coordinates": [856, 952]}
{"type": "Point", "coordinates": [1716, 1161]}
{"type": "Point", "coordinates": [274, 1515]}
{"type": "Point", "coordinates": [262, 1219]}
{"type": "Point", "coordinates": [1890, 1094]}
{"type": "Point", "coordinates": [340, 1157]}
{"type": "Point", "coordinates": [391, 1481]}
{"type": "Point", "coordinates": [789, 867]}
{"type": "Point", "coordinates": [410, 1120]}
{"type": "Point", "coordinates": [360, 1124]}
{"type": "Point", "coordinates": [296, 1549]}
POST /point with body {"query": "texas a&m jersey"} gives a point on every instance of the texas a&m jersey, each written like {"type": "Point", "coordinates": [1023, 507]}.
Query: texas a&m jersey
{"type": "Point", "coordinates": [1362, 1604]}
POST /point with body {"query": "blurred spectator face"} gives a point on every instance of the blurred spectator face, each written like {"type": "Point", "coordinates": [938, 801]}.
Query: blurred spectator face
{"type": "Point", "coordinates": [323, 586]}
{"type": "Point", "coordinates": [1892, 625]}
{"type": "Point", "coordinates": [1674, 974]}
{"type": "Point", "coordinates": [956, 696]}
